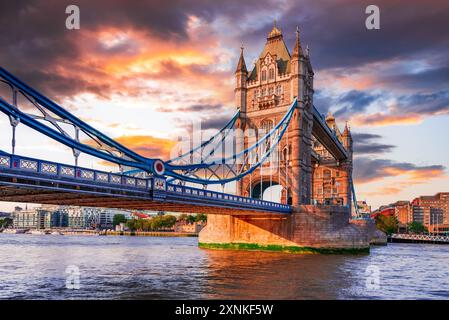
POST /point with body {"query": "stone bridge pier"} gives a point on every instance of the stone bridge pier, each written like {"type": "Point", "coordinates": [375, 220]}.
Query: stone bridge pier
{"type": "Point", "coordinates": [313, 229]}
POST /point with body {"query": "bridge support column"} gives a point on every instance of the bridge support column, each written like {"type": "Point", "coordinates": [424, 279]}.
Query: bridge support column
{"type": "Point", "coordinates": [324, 229]}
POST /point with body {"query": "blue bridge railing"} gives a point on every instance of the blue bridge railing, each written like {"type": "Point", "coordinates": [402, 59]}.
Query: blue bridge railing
{"type": "Point", "coordinates": [156, 187]}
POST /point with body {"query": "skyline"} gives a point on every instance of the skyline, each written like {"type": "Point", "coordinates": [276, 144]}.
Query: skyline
{"type": "Point", "coordinates": [173, 62]}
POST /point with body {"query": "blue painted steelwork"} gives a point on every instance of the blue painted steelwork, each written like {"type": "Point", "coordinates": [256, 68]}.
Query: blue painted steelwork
{"type": "Point", "coordinates": [129, 158]}
{"type": "Point", "coordinates": [63, 171]}
{"type": "Point", "coordinates": [269, 141]}
{"type": "Point", "coordinates": [237, 165]}
{"type": "Point", "coordinates": [221, 133]}
{"type": "Point", "coordinates": [151, 189]}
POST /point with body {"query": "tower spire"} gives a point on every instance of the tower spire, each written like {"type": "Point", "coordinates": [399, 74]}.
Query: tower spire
{"type": "Point", "coordinates": [297, 50]}
{"type": "Point", "coordinates": [241, 66]}
{"type": "Point", "coordinates": [275, 32]}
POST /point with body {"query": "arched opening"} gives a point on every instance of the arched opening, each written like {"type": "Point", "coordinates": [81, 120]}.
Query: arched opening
{"type": "Point", "coordinates": [270, 192]}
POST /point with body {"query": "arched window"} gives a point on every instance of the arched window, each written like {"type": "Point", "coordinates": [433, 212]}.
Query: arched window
{"type": "Point", "coordinates": [271, 91]}
{"type": "Point", "coordinates": [271, 74]}
{"type": "Point", "coordinates": [264, 75]}
{"type": "Point", "coordinates": [266, 125]}
{"type": "Point", "coordinates": [279, 90]}
{"type": "Point", "coordinates": [257, 93]}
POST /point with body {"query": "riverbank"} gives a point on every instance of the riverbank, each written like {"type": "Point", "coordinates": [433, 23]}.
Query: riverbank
{"type": "Point", "coordinates": [112, 233]}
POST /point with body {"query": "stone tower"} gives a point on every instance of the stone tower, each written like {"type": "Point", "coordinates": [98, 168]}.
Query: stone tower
{"type": "Point", "coordinates": [264, 95]}
{"type": "Point", "coordinates": [332, 179]}
{"type": "Point", "coordinates": [306, 171]}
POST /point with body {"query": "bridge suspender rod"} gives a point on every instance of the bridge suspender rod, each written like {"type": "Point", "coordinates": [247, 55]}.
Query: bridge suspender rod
{"type": "Point", "coordinates": [287, 157]}
{"type": "Point", "coordinates": [271, 178]}
{"type": "Point", "coordinates": [279, 165]}
{"type": "Point", "coordinates": [261, 195]}
{"type": "Point", "coordinates": [250, 187]}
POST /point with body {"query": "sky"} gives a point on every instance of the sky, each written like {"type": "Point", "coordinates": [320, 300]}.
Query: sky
{"type": "Point", "coordinates": [141, 71]}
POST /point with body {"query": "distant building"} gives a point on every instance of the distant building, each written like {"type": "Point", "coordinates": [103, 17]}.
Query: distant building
{"type": "Point", "coordinates": [402, 212]}
{"type": "Point", "coordinates": [183, 226]}
{"type": "Point", "coordinates": [438, 201]}
{"type": "Point", "coordinates": [138, 215]}
{"type": "Point", "coordinates": [106, 218]}
{"type": "Point", "coordinates": [430, 211]}
{"type": "Point", "coordinates": [36, 219]}
{"type": "Point", "coordinates": [384, 211]}
{"type": "Point", "coordinates": [418, 214]}
{"type": "Point", "coordinates": [25, 219]}
{"type": "Point", "coordinates": [363, 208]}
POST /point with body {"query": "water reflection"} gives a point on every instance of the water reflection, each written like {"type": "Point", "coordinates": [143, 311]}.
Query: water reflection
{"type": "Point", "coordinates": [33, 267]}
{"type": "Point", "coordinates": [261, 275]}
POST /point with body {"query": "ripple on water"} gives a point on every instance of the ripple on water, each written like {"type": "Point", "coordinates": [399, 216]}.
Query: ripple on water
{"type": "Point", "coordinates": [34, 267]}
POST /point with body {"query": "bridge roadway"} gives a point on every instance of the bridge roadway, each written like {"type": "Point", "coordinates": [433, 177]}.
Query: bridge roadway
{"type": "Point", "coordinates": [322, 132]}
{"type": "Point", "coordinates": [29, 180]}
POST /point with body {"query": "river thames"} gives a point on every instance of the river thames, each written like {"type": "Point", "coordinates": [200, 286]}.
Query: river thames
{"type": "Point", "coordinates": [114, 267]}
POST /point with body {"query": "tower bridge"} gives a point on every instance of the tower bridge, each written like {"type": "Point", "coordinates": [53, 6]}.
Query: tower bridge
{"type": "Point", "coordinates": [300, 150]}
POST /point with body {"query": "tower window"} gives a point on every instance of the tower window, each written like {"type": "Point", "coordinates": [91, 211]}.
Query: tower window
{"type": "Point", "coordinates": [278, 90]}
{"type": "Point", "coordinates": [271, 74]}
{"type": "Point", "coordinates": [264, 75]}
{"type": "Point", "coordinates": [267, 125]}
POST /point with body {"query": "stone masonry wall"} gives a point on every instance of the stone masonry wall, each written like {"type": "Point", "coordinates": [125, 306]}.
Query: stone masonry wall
{"type": "Point", "coordinates": [322, 227]}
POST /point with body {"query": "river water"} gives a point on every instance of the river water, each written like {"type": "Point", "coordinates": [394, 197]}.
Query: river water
{"type": "Point", "coordinates": [114, 267]}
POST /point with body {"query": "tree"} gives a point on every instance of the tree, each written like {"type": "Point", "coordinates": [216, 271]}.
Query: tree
{"type": "Point", "coordinates": [388, 224]}
{"type": "Point", "coordinates": [416, 227]}
{"type": "Point", "coordinates": [118, 218]}
{"type": "Point", "coordinates": [201, 217]}
{"type": "Point", "coordinates": [190, 219]}
{"type": "Point", "coordinates": [5, 222]}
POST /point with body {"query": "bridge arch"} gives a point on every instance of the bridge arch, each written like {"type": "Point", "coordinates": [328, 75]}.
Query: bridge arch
{"type": "Point", "coordinates": [267, 187]}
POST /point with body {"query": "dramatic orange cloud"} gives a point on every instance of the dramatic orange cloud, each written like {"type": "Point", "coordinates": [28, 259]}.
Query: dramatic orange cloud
{"type": "Point", "coordinates": [380, 119]}
{"type": "Point", "coordinates": [148, 146]}
{"type": "Point", "coordinates": [395, 180]}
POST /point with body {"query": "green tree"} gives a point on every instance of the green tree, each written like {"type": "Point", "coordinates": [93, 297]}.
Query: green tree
{"type": "Point", "coordinates": [388, 224]}
{"type": "Point", "coordinates": [118, 218]}
{"type": "Point", "coordinates": [182, 217]}
{"type": "Point", "coordinates": [201, 217]}
{"type": "Point", "coordinates": [190, 219]}
{"type": "Point", "coordinates": [416, 227]}
{"type": "Point", "coordinates": [169, 221]}
{"type": "Point", "coordinates": [5, 222]}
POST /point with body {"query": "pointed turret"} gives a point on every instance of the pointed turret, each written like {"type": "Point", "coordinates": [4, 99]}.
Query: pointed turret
{"type": "Point", "coordinates": [275, 32]}
{"type": "Point", "coordinates": [297, 50]}
{"type": "Point", "coordinates": [330, 117]}
{"type": "Point", "coordinates": [347, 132]}
{"type": "Point", "coordinates": [241, 77]}
{"type": "Point", "coordinates": [347, 138]}
{"type": "Point", "coordinates": [241, 66]}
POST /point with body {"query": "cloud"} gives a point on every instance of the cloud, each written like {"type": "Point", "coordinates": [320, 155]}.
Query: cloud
{"type": "Point", "coordinates": [364, 144]}
{"type": "Point", "coordinates": [368, 170]}
{"type": "Point", "coordinates": [408, 109]}
{"type": "Point", "coordinates": [341, 39]}
{"type": "Point", "coordinates": [148, 146]}
{"type": "Point", "coordinates": [199, 108]}
{"type": "Point", "coordinates": [354, 102]}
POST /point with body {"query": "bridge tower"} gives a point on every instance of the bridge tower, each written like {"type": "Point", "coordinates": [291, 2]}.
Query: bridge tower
{"type": "Point", "coordinates": [331, 178]}
{"type": "Point", "coordinates": [263, 96]}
